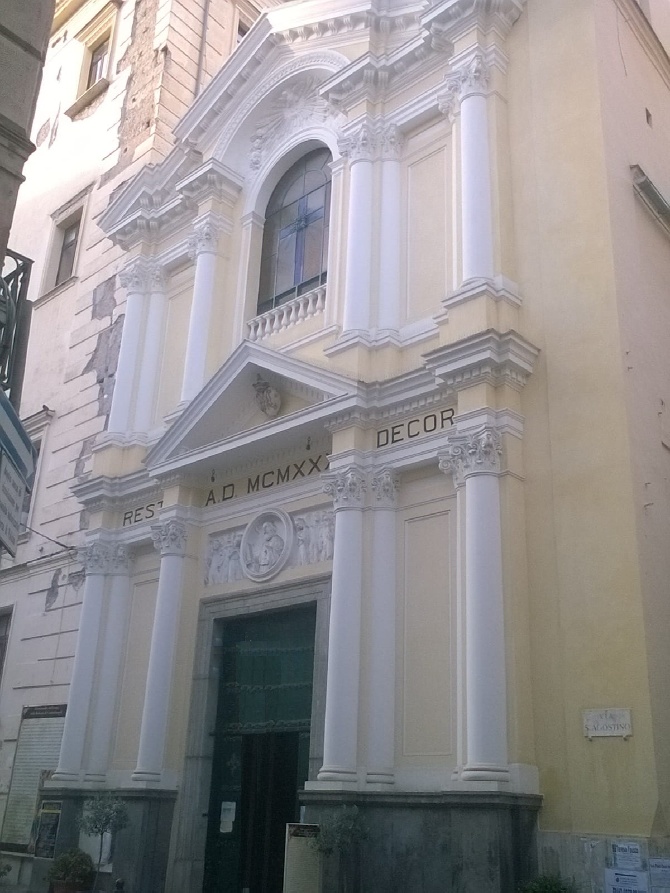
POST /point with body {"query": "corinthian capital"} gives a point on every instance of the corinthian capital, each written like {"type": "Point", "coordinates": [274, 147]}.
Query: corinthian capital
{"type": "Point", "coordinates": [360, 144]}
{"type": "Point", "coordinates": [96, 558]}
{"type": "Point", "coordinates": [391, 141]}
{"type": "Point", "coordinates": [347, 488]}
{"type": "Point", "coordinates": [120, 559]}
{"type": "Point", "coordinates": [169, 538]}
{"type": "Point", "coordinates": [205, 237]}
{"type": "Point", "coordinates": [385, 487]}
{"type": "Point", "coordinates": [137, 276]}
{"type": "Point", "coordinates": [477, 453]}
{"type": "Point", "coordinates": [468, 78]}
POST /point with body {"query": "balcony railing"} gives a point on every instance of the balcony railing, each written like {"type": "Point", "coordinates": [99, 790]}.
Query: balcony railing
{"type": "Point", "coordinates": [292, 313]}
{"type": "Point", "coordinates": [14, 323]}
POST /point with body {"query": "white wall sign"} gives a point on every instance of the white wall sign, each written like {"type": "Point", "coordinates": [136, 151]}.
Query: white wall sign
{"type": "Point", "coordinates": [659, 870]}
{"type": "Point", "coordinates": [612, 722]}
{"type": "Point", "coordinates": [302, 863]}
{"type": "Point", "coordinates": [627, 854]}
{"type": "Point", "coordinates": [625, 881]}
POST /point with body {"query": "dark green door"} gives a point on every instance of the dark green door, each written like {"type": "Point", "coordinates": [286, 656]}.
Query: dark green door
{"type": "Point", "coordinates": [261, 748]}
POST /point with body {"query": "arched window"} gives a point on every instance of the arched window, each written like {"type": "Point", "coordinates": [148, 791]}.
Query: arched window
{"type": "Point", "coordinates": [294, 257]}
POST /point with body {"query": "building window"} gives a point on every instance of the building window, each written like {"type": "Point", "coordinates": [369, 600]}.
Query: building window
{"type": "Point", "coordinates": [63, 252]}
{"type": "Point", "coordinates": [36, 427]}
{"type": "Point", "coordinates": [97, 41]}
{"type": "Point", "coordinates": [294, 257]}
{"type": "Point", "coordinates": [98, 65]}
{"type": "Point", "coordinates": [68, 251]}
{"type": "Point", "coordinates": [5, 621]}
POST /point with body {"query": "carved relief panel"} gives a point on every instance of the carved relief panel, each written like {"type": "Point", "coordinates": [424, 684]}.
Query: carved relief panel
{"type": "Point", "coordinates": [271, 542]}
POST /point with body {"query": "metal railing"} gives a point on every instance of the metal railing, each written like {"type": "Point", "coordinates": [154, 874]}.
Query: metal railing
{"type": "Point", "coordinates": [14, 323]}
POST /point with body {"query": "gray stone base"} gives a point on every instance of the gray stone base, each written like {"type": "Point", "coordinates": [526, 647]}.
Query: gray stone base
{"type": "Point", "coordinates": [584, 858]}
{"type": "Point", "coordinates": [433, 843]}
{"type": "Point", "coordinates": [140, 854]}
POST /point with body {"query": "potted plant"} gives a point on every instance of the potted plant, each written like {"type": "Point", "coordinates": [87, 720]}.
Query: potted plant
{"type": "Point", "coordinates": [72, 872]}
{"type": "Point", "coordinates": [340, 835]}
{"type": "Point", "coordinates": [103, 814]}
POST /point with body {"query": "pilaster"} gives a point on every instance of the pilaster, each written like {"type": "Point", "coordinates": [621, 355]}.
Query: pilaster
{"type": "Point", "coordinates": [204, 248]}
{"type": "Point", "coordinates": [96, 560]}
{"type": "Point", "coordinates": [347, 488]}
{"type": "Point", "coordinates": [474, 459]}
{"type": "Point", "coordinates": [169, 539]}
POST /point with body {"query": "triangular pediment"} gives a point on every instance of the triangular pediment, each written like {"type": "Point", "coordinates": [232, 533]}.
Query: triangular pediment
{"type": "Point", "coordinates": [231, 421]}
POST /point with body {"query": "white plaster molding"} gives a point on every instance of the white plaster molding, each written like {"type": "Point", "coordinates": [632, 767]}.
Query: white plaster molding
{"type": "Point", "coordinates": [169, 537]}
{"type": "Point", "coordinates": [500, 288]}
{"type": "Point", "coordinates": [296, 106]}
{"type": "Point", "coordinates": [489, 356]}
{"type": "Point", "coordinates": [457, 17]}
{"type": "Point", "coordinates": [300, 66]}
{"type": "Point", "coordinates": [211, 180]}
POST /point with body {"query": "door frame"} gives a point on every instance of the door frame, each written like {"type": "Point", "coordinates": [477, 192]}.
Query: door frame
{"type": "Point", "coordinates": [190, 827]}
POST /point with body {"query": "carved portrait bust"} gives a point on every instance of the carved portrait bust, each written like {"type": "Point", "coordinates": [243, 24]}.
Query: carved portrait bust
{"type": "Point", "coordinates": [266, 545]}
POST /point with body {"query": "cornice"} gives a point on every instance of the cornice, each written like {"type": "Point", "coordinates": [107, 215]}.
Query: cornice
{"type": "Point", "coordinates": [488, 356]}
{"type": "Point", "coordinates": [115, 493]}
{"type": "Point", "coordinates": [457, 17]}
{"type": "Point", "coordinates": [647, 37]}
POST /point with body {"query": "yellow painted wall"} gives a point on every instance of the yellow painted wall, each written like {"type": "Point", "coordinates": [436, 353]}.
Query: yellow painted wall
{"type": "Point", "coordinates": [588, 637]}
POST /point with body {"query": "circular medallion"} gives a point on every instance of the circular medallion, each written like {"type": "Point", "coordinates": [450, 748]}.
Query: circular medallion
{"type": "Point", "coordinates": [266, 545]}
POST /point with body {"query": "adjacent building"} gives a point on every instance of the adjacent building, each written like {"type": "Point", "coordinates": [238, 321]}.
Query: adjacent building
{"type": "Point", "coordinates": [349, 372]}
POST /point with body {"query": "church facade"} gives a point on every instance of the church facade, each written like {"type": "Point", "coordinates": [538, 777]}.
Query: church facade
{"type": "Point", "coordinates": [377, 515]}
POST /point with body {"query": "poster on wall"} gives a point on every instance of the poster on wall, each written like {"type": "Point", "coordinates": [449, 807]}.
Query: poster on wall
{"type": "Point", "coordinates": [48, 820]}
{"type": "Point", "coordinates": [617, 881]}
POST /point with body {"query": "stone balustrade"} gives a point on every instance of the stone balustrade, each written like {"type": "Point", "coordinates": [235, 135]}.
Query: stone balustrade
{"type": "Point", "coordinates": [289, 314]}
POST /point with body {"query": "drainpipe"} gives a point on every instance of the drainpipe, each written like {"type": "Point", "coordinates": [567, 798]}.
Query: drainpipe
{"type": "Point", "coordinates": [201, 53]}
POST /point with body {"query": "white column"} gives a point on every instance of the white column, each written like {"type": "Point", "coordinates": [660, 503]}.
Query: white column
{"type": "Point", "coordinates": [477, 459]}
{"type": "Point", "coordinates": [95, 559]}
{"type": "Point", "coordinates": [358, 282]}
{"type": "Point", "coordinates": [170, 540]}
{"type": "Point", "coordinates": [389, 239]}
{"type": "Point", "coordinates": [204, 246]}
{"type": "Point", "coordinates": [135, 279]}
{"type": "Point", "coordinates": [380, 715]}
{"type": "Point", "coordinates": [149, 365]}
{"type": "Point", "coordinates": [340, 745]}
{"type": "Point", "coordinates": [108, 679]}
{"type": "Point", "coordinates": [469, 84]}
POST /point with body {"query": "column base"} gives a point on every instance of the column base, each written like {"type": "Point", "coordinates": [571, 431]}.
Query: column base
{"type": "Point", "coordinates": [336, 773]}
{"type": "Point", "coordinates": [485, 772]}
{"type": "Point", "coordinates": [380, 776]}
{"type": "Point", "coordinates": [144, 775]}
{"type": "Point", "coordinates": [65, 776]}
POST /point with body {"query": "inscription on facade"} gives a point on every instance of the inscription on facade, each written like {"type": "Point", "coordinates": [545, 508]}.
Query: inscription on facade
{"type": "Point", "coordinates": [419, 426]}
{"type": "Point", "coordinates": [265, 480]}
{"type": "Point", "coordinates": [142, 513]}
